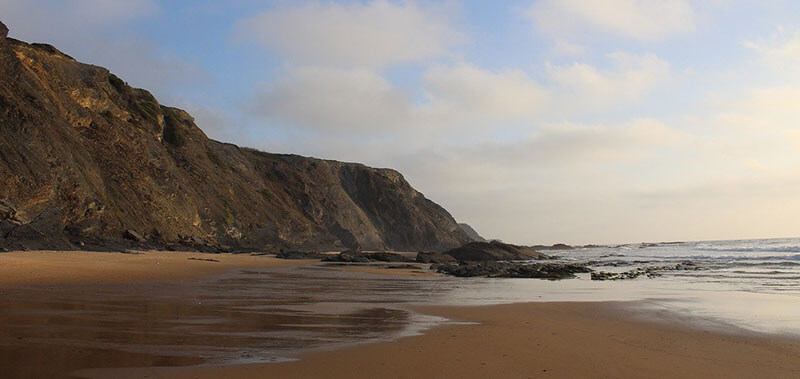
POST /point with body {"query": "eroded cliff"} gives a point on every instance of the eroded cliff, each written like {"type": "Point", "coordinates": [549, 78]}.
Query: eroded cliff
{"type": "Point", "coordinates": [86, 161]}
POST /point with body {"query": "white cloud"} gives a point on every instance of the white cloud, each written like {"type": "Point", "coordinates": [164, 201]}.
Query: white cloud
{"type": "Point", "coordinates": [376, 34]}
{"type": "Point", "coordinates": [780, 53]}
{"type": "Point", "coordinates": [334, 100]}
{"type": "Point", "coordinates": [465, 92]}
{"type": "Point", "coordinates": [631, 77]}
{"type": "Point", "coordinates": [642, 20]}
{"type": "Point", "coordinates": [562, 47]}
{"type": "Point", "coordinates": [459, 97]}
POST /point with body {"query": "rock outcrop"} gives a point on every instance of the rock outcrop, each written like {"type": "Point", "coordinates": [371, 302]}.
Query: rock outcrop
{"type": "Point", "coordinates": [86, 161]}
{"type": "Point", "coordinates": [428, 257]}
{"type": "Point", "coordinates": [512, 270]}
{"type": "Point", "coordinates": [493, 251]}
{"type": "Point", "coordinates": [471, 233]}
{"type": "Point", "coordinates": [358, 257]}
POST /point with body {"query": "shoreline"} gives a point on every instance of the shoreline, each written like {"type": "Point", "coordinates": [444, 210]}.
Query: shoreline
{"type": "Point", "coordinates": [558, 339]}
{"type": "Point", "coordinates": [561, 339]}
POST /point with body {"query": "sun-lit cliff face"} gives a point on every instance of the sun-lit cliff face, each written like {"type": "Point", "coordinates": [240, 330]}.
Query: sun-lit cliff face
{"type": "Point", "coordinates": [87, 161]}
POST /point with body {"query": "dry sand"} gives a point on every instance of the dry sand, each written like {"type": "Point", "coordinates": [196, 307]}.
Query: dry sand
{"type": "Point", "coordinates": [561, 340]}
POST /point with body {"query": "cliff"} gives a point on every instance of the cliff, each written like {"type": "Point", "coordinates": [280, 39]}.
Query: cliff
{"type": "Point", "coordinates": [86, 161]}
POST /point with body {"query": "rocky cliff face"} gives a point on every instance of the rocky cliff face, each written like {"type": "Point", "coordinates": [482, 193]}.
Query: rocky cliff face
{"type": "Point", "coordinates": [87, 161]}
{"type": "Point", "coordinates": [471, 233]}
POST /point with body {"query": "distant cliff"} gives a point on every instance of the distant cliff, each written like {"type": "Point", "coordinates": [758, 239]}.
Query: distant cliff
{"type": "Point", "coordinates": [471, 233]}
{"type": "Point", "coordinates": [88, 162]}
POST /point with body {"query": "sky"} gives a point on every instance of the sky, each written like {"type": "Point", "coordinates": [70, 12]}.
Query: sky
{"type": "Point", "coordinates": [535, 121]}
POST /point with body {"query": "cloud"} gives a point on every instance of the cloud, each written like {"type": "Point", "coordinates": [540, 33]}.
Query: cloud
{"type": "Point", "coordinates": [780, 53]}
{"type": "Point", "coordinates": [640, 20]}
{"type": "Point", "coordinates": [328, 99]}
{"type": "Point", "coordinates": [374, 34]}
{"type": "Point", "coordinates": [464, 92]}
{"type": "Point", "coordinates": [630, 78]}
{"type": "Point", "coordinates": [459, 97]}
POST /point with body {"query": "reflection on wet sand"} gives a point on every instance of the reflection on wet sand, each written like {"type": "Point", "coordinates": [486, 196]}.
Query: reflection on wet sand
{"type": "Point", "coordinates": [247, 316]}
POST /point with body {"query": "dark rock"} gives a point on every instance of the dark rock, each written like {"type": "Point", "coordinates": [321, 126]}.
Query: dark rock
{"type": "Point", "coordinates": [108, 157]}
{"type": "Point", "coordinates": [388, 257]}
{"type": "Point", "coordinates": [350, 256]}
{"type": "Point", "coordinates": [649, 271]}
{"type": "Point", "coordinates": [202, 259]}
{"type": "Point", "coordinates": [45, 232]}
{"type": "Point", "coordinates": [134, 236]}
{"type": "Point", "coordinates": [300, 255]}
{"type": "Point", "coordinates": [512, 270]}
{"type": "Point", "coordinates": [426, 257]}
{"type": "Point", "coordinates": [494, 251]}
{"type": "Point", "coordinates": [3, 30]}
{"type": "Point", "coordinates": [402, 267]}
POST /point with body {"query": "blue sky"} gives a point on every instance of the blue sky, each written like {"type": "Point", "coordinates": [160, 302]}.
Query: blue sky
{"type": "Point", "coordinates": [536, 121]}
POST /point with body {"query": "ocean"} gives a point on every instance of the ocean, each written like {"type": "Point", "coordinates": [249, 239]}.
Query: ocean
{"type": "Point", "coordinates": [763, 265]}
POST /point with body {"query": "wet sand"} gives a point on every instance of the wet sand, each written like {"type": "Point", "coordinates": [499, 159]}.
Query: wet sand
{"type": "Point", "coordinates": [562, 340]}
{"type": "Point", "coordinates": [39, 267]}
{"type": "Point", "coordinates": [80, 309]}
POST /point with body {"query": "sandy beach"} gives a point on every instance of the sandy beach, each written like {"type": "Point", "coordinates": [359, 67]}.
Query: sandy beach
{"type": "Point", "coordinates": [42, 267]}
{"type": "Point", "coordinates": [562, 340]}
{"type": "Point", "coordinates": [589, 339]}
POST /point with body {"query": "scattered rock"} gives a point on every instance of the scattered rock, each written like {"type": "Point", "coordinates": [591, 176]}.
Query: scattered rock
{"type": "Point", "coordinates": [350, 256]}
{"type": "Point", "coordinates": [650, 272]}
{"type": "Point", "coordinates": [512, 270]}
{"type": "Point", "coordinates": [424, 257]}
{"type": "Point", "coordinates": [402, 267]}
{"type": "Point", "coordinates": [347, 256]}
{"type": "Point", "coordinates": [134, 236]}
{"type": "Point", "coordinates": [300, 255]}
{"type": "Point", "coordinates": [202, 259]}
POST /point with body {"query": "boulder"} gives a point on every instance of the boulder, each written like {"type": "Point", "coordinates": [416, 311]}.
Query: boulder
{"type": "Point", "coordinates": [3, 30]}
{"type": "Point", "coordinates": [134, 236]}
